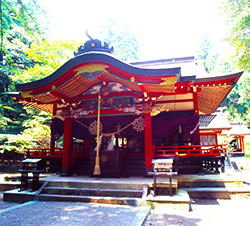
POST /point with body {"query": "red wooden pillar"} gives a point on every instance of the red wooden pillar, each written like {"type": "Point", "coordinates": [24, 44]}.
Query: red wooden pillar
{"type": "Point", "coordinates": [242, 145]}
{"type": "Point", "coordinates": [67, 146]}
{"type": "Point", "coordinates": [52, 141]}
{"type": "Point", "coordinates": [196, 110]}
{"type": "Point", "coordinates": [148, 141]}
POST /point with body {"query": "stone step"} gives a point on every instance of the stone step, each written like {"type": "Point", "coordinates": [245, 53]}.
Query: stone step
{"type": "Point", "coordinates": [217, 192]}
{"type": "Point", "coordinates": [95, 199]}
{"type": "Point", "coordinates": [196, 183]}
{"type": "Point", "coordinates": [93, 192]}
{"type": "Point", "coordinates": [180, 197]}
{"type": "Point", "coordinates": [95, 184]}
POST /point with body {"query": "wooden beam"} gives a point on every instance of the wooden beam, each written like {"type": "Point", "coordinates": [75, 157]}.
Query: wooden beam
{"type": "Point", "coordinates": [61, 96]}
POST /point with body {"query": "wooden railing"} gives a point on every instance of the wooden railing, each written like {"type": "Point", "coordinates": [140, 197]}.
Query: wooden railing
{"type": "Point", "coordinates": [53, 153]}
{"type": "Point", "coordinates": [188, 151]}
{"type": "Point", "coordinates": [158, 151]}
{"type": "Point", "coordinates": [44, 152]}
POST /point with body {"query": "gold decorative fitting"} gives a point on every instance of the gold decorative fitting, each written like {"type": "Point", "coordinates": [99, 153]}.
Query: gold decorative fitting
{"type": "Point", "coordinates": [26, 94]}
{"type": "Point", "coordinates": [53, 87]}
{"type": "Point", "coordinates": [132, 79]}
{"type": "Point", "coordinates": [169, 81]}
{"type": "Point", "coordinates": [92, 44]}
{"type": "Point", "coordinates": [147, 108]}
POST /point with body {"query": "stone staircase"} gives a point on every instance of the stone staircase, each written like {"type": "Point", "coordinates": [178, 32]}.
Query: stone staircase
{"type": "Point", "coordinates": [214, 187]}
{"type": "Point", "coordinates": [124, 194]}
{"type": "Point", "coordinates": [94, 191]}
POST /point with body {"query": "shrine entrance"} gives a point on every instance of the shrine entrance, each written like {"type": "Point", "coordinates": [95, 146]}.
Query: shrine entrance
{"type": "Point", "coordinates": [115, 118]}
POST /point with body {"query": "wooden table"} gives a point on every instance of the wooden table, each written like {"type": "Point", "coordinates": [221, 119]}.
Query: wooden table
{"type": "Point", "coordinates": [170, 175]}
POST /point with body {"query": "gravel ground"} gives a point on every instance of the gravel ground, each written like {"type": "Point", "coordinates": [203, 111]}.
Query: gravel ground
{"type": "Point", "coordinates": [205, 213]}
{"type": "Point", "coordinates": [4, 205]}
{"type": "Point", "coordinates": [70, 213]}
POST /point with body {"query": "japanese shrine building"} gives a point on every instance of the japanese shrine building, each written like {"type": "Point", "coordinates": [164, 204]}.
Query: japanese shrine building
{"type": "Point", "coordinates": [147, 110]}
{"type": "Point", "coordinates": [216, 129]}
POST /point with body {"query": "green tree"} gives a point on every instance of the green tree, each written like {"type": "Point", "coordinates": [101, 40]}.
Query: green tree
{"type": "Point", "coordinates": [238, 101]}
{"type": "Point", "coordinates": [208, 54]}
{"type": "Point", "coordinates": [124, 41]}
{"type": "Point", "coordinates": [35, 134]}
{"type": "Point", "coordinates": [47, 56]}
{"type": "Point", "coordinates": [238, 17]}
{"type": "Point", "coordinates": [20, 25]}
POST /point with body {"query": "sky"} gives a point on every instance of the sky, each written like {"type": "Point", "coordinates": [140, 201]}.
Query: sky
{"type": "Point", "coordinates": [163, 28]}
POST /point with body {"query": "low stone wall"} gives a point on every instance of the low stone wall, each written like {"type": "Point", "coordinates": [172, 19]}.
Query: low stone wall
{"type": "Point", "coordinates": [10, 161]}
{"type": "Point", "coordinates": [10, 166]}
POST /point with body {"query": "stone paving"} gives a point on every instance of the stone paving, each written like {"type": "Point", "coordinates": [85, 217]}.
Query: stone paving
{"type": "Point", "coordinates": [204, 213]}
{"type": "Point", "coordinates": [71, 213]}
{"type": "Point", "coordinates": [4, 205]}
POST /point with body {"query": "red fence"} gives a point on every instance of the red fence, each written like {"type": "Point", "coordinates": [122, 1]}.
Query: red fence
{"type": "Point", "coordinates": [44, 152]}
{"type": "Point", "coordinates": [187, 151]}
{"type": "Point", "coordinates": [53, 153]}
{"type": "Point", "coordinates": [159, 151]}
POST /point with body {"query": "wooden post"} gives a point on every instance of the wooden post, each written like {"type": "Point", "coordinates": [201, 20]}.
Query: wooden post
{"type": "Point", "coordinates": [52, 141]}
{"type": "Point", "coordinates": [196, 110]}
{"type": "Point", "coordinates": [148, 141]}
{"type": "Point", "coordinates": [97, 170]}
{"type": "Point", "coordinates": [67, 146]}
{"type": "Point", "coordinates": [242, 145]}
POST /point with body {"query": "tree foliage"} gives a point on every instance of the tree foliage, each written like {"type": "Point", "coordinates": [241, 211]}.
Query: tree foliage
{"type": "Point", "coordinates": [237, 13]}
{"type": "Point", "coordinates": [25, 56]}
{"type": "Point", "coordinates": [124, 41]}
{"type": "Point", "coordinates": [238, 101]}
{"type": "Point", "coordinates": [219, 61]}
{"type": "Point", "coordinates": [208, 54]}
{"type": "Point", "coordinates": [20, 25]}
{"type": "Point", "coordinates": [47, 56]}
{"type": "Point", "coordinates": [35, 134]}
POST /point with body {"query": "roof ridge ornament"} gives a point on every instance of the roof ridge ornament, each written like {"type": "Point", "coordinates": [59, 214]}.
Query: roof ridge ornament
{"type": "Point", "coordinates": [94, 45]}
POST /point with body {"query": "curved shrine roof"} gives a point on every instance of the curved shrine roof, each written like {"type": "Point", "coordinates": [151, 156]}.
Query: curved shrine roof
{"type": "Point", "coordinates": [82, 78]}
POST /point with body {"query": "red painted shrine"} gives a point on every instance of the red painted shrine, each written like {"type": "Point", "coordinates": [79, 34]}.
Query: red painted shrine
{"type": "Point", "coordinates": [145, 114]}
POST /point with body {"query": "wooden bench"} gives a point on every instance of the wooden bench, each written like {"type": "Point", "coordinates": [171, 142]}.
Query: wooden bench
{"type": "Point", "coordinates": [169, 175]}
